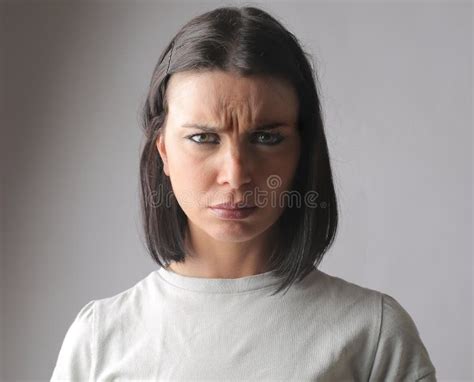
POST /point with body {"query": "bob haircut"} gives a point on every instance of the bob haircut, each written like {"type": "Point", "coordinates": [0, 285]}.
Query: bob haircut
{"type": "Point", "coordinates": [247, 41]}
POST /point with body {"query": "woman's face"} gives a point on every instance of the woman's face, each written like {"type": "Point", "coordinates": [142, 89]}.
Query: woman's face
{"type": "Point", "coordinates": [218, 147]}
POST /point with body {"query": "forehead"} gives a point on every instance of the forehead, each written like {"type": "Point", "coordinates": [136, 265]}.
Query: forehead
{"type": "Point", "coordinates": [219, 95]}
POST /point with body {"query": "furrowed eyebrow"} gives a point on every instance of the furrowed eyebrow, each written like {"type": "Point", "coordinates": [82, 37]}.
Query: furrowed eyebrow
{"type": "Point", "coordinates": [209, 129]}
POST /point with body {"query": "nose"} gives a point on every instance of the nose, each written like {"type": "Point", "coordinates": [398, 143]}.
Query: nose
{"type": "Point", "coordinates": [235, 168]}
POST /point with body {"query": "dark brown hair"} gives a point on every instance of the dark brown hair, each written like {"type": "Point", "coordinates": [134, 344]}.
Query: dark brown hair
{"type": "Point", "coordinates": [247, 41]}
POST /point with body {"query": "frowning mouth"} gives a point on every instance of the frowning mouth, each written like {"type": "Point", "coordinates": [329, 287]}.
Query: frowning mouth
{"type": "Point", "coordinates": [228, 212]}
{"type": "Point", "coordinates": [233, 206]}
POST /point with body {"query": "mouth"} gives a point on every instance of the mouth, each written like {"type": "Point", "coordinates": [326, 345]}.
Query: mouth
{"type": "Point", "coordinates": [231, 212]}
{"type": "Point", "coordinates": [233, 206]}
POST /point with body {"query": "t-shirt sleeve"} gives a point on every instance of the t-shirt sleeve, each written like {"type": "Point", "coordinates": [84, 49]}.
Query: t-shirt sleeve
{"type": "Point", "coordinates": [77, 352]}
{"type": "Point", "coordinates": [400, 354]}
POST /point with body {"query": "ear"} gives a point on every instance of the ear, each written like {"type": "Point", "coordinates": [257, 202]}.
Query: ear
{"type": "Point", "coordinates": [160, 145]}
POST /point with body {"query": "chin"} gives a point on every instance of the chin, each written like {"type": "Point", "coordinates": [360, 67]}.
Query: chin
{"type": "Point", "coordinates": [233, 234]}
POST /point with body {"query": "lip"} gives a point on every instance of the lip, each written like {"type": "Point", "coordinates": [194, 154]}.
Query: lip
{"type": "Point", "coordinates": [233, 213]}
{"type": "Point", "coordinates": [233, 206]}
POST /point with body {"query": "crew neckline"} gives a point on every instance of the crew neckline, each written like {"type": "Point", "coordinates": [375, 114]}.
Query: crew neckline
{"type": "Point", "coordinates": [219, 285]}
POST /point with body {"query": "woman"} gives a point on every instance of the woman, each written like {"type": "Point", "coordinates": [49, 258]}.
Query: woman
{"type": "Point", "coordinates": [239, 208]}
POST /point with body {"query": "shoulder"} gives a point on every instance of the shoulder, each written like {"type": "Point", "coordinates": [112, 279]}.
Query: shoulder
{"type": "Point", "coordinates": [400, 352]}
{"type": "Point", "coordinates": [387, 308]}
{"type": "Point", "coordinates": [77, 350]}
{"type": "Point", "coordinates": [390, 317]}
{"type": "Point", "coordinates": [96, 320]}
{"type": "Point", "coordinates": [345, 307]}
{"type": "Point", "coordinates": [395, 318]}
{"type": "Point", "coordinates": [397, 350]}
{"type": "Point", "coordinates": [85, 316]}
{"type": "Point", "coordinates": [338, 290]}
{"type": "Point", "coordinates": [127, 302]}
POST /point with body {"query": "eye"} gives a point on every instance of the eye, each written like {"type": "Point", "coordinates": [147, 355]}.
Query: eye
{"type": "Point", "coordinates": [201, 141]}
{"type": "Point", "coordinates": [262, 137]}
{"type": "Point", "coordinates": [268, 139]}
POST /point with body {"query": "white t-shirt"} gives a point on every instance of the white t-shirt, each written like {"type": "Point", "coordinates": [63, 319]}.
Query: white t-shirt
{"type": "Point", "coordinates": [171, 327]}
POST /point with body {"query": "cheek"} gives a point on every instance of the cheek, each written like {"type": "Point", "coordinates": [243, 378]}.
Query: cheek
{"type": "Point", "coordinates": [179, 160]}
{"type": "Point", "coordinates": [281, 168]}
{"type": "Point", "coordinates": [190, 178]}
{"type": "Point", "coordinates": [277, 179]}
{"type": "Point", "coordinates": [293, 157]}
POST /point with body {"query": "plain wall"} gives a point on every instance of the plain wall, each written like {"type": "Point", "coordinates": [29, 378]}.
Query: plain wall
{"type": "Point", "coordinates": [396, 88]}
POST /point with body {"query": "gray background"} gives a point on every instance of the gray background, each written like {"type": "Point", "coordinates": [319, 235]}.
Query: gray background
{"type": "Point", "coordinates": [396, 83]}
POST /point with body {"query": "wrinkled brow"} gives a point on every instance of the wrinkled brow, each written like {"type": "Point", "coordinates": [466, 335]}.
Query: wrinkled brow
{"type": "Point", "coordinates": [211, 129]}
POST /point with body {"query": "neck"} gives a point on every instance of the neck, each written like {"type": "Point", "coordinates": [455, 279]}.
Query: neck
{"type": "Point", "coordinates": [209, 258]}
